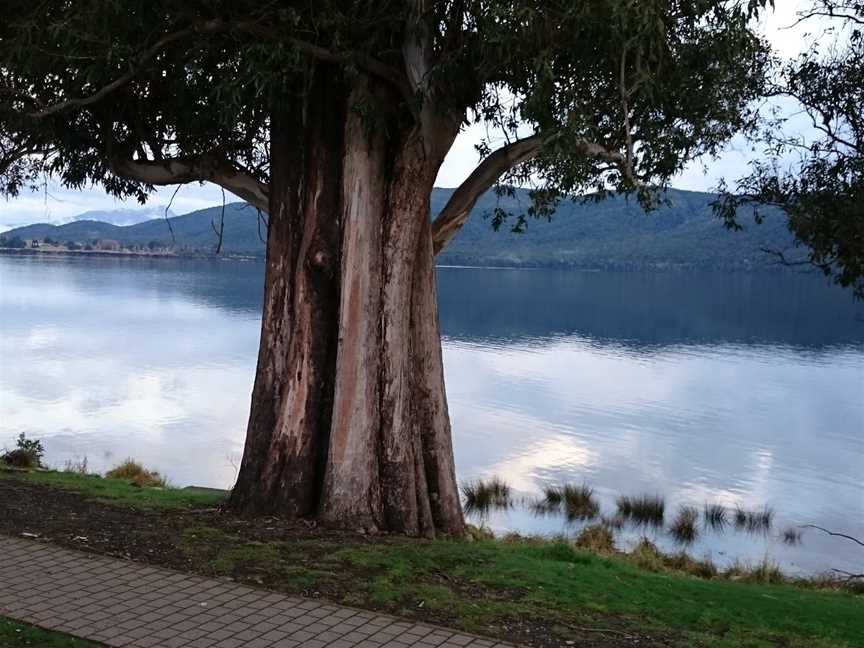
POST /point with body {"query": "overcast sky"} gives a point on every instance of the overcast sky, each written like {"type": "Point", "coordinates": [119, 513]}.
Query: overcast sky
{"type": "Point", "coordinates": [60, 205]}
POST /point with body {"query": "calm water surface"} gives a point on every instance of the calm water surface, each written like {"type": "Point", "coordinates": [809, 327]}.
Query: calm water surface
{"type": "Point", "coordinates": [738, 389]}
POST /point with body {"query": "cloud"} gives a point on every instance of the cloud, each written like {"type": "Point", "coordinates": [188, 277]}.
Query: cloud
{"type": "Point", "coordinates": [57, 204]}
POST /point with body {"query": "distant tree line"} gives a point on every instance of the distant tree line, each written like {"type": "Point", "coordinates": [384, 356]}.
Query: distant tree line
{"type": "Point", "coordinates": [103, 245]}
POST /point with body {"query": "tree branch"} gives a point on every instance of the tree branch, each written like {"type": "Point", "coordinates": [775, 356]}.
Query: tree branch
{"type": "Point", "coordinates": [832, 533]}
{"type": "Point", "coordinates": [220, 233]}
{"type": "Point", "coordinates": [145, 57]}
{"type": "Point", "coordinates": [203, 168]}
{"type": "Point", "coordinates": [216, 26]}
{"type": "Point", "coordinates": [827, 14]}
{"type": "Point", "coordinates": [458, 208]}
{"type": "Point", "coordinates": [782, 260]}
{"type": "Point", "coordinates": [849, 575]}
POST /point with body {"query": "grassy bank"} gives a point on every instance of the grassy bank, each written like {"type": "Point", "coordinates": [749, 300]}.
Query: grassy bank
{"type": "Point", "coordinates": [14, 634]}
{"type": "Point", "coordinates": [120, 491]}
{"type": "Point", "coordinates": [540, 592]}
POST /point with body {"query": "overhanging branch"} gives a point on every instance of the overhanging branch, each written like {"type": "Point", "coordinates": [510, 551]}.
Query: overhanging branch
{"type": "Point", "coordinates": [203, 168]}
{"type": "Point", "coordinates": [458, 208]}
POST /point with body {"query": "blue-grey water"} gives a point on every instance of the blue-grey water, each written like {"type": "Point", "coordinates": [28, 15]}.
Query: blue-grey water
{"type": "Point", "coordinates": [732, 388]}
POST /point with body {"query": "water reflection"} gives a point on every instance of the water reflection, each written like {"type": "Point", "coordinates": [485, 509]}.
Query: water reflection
{"type": "Point", "coordinates": [646, 311]}
{"type": "Point", "coordinates": [738, 390]}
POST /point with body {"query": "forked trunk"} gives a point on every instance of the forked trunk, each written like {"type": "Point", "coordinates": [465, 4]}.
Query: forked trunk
{"type": "Point", "coordinates": [349, 420]}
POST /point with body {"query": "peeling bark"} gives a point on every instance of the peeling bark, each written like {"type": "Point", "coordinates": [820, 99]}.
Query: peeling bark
{"type": "Point", "coordinates": [349, 420]}
{"type": "Point", "coordinates": [292, 397]}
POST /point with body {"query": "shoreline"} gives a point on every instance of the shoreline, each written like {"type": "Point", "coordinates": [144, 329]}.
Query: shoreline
{"type": "Point", "coordinates": [561, 267]}
{"type": "Point", "coordinates": [127, 253]}
{"type": "Point", "coordinates": [540, 593]}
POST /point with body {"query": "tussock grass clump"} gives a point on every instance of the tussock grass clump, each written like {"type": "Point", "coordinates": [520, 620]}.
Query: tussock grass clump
{"type": "Point", "coordinates": [740, 517]}
{"type": "Point", "coordinates": [483, 496]}
{"type": "Point", "coordinates": [754, 521]}
{"type": "Point", "coordinates": [715, 516]}
{"type": "Point", "coordinates": [791, 536]}
{"type": "Point", "coordinates": [553, 496]}
{"type": "Point", "coordinates": [597, 538]}
{"type": "Point", "coordinates": [579, 502]}
{"type": "Point", "coordinates": [647, 556]}
{"type": "Point", "coordinates": [765, 572]}
{"type": "Point", "coordinates": [763, 520]}
{"type": "Point", "coordinates": [576, 502]}
{"type": "Point", "coordinates": [132, 471]}
{"type": "Point", "coordinates": [684, 528]}
{"type": "Point", "coordinates": [478, 533]}
{"type": "Point", "coordinates": [685, 563]}
{"type": "Point", "coordinates": [642, 509]}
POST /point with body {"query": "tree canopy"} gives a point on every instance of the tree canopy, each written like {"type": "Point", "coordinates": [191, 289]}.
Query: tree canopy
{"type": "Point", "coordinates": [817, 180]}
{"type": "Point", "coordinates": [583, 95]}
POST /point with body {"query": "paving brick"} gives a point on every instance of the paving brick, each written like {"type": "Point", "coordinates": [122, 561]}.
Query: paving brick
{"type": "Point", "coordinates": [129, 605]}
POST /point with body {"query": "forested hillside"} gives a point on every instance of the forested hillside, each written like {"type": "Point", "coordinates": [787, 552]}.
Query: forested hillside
{"type": "Point", "coordinates": [614, 233]}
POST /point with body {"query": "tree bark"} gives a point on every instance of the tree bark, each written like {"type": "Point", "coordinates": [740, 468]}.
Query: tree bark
{"type": "Point", "coordinates": [349, 421]}
{"type": "Point", "coordinates": [289, 420]}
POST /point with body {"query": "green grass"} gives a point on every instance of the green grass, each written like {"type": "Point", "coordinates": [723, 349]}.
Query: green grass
{"type": "Point", "coordinates": [13, 634]}
{"type": "Point", "coordinates": [480, 585]}
{"type": "Point", "coordinates": [121, 492]}
{"type": "Point", "coordinates": [476, 585]}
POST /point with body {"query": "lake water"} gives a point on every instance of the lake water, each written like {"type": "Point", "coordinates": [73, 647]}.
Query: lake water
{"type": "Point", "coordinates": [734, 388]}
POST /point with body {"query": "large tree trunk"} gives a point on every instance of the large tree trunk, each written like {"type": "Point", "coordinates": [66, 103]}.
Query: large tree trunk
{"type": "Point", "coordinates": [286, 440]}
{"type": "Point", "coordinates": [349, 419]}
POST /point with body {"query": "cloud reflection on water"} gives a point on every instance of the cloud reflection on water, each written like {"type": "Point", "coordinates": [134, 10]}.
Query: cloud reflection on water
{"type": "Point", "coordinates": [730, 389]}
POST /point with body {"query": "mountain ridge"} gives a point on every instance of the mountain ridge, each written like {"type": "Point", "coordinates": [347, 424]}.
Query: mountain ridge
{"type": "Point", "coordinates": [613, 233]}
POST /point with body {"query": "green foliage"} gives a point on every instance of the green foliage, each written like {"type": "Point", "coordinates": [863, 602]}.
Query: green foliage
{"type": "Point", "coordinates": [623, 93]}
{"type": "Point", "coordinates": [622, 74]}
{"type": "Point", "coordinates": [28, 453]}
{"type": "Point", "coordinates": [822, 191]}
{"type": "Point", "coordinates": [30, 446]}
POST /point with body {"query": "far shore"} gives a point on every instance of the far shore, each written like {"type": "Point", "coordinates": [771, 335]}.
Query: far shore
{"type": "Point", "coordinates": [200, 255]}
{"type": "Point", "coordinates": [125, 253]}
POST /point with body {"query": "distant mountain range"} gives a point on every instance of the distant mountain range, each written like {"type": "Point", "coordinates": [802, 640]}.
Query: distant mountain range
{"type": "Point", "coordinates": [125, 217]}
{"type": "Point", "coordinates": [614, 233]}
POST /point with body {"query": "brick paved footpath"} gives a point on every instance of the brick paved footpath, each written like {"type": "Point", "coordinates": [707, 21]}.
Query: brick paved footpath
{"type": "Point", "coordinates": [121, 603]}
